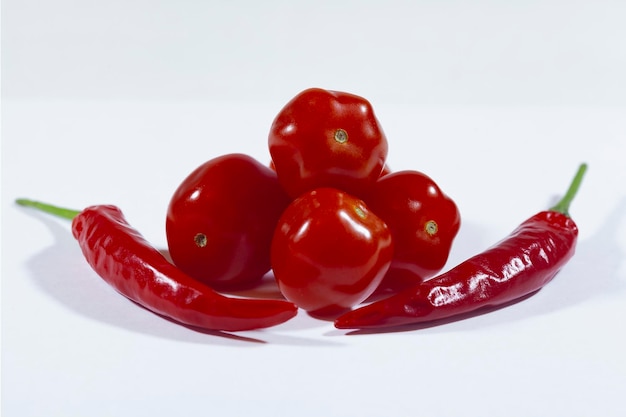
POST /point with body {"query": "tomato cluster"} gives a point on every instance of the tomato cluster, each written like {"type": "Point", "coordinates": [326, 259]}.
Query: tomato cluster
{"type": "Point", "coordinates": [328, 218]}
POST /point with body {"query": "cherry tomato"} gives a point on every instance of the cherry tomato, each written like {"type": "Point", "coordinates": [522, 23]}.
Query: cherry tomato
{"type": "Point", "coordinates": [327, 139]}
{"type": "Point", "coordinates": [423, 222]}
{"type": "Point", "coordinates": [329, 251]}
{"type": "Point", "coordinates": [221, 220]}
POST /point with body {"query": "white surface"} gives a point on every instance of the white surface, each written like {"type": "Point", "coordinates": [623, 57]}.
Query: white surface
{"type": "Point", "coordinates": [117, 101]}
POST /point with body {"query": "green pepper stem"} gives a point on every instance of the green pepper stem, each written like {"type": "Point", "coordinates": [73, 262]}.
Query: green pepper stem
{"type": "Point", "coordinates": [64, 213]}
{"type": "Point", "coordinates": [563, 205]}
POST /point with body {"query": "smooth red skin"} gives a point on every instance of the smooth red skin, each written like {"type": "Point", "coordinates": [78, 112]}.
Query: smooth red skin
{"type": "Point", "coordinates": [326, 257]}
{"type": "Point", "coordinates": [137, 270]}
{"type": "Point", "coordinates": [306, 155]}
{"type": "Point", "coordinates": [516, 267]}
{"type": "Point", "coordinates": [236, 202]}
{"type": "Point", "coordinates": [406, 201]}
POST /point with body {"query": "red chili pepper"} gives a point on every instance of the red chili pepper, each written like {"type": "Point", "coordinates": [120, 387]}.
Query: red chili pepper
{"type": "Point", "coordinates": [515, 267]}
{"type": "Point", "coordinates": [125, 260]}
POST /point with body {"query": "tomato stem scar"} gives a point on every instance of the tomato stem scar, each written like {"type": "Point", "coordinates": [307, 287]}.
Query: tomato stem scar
{"type": "Point", "coordinates": [200, 239]}
{"type": "Point", "coordinates": [341, 136]}
{"type": "Point", "coordinates": [431, 227]}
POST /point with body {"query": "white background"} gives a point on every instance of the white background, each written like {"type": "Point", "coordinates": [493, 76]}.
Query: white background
{"type": "Point", "coordinates": [117, 101]}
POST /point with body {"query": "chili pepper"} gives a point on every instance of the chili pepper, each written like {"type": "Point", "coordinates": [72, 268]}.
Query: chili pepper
{"type": "Point", "coordinates": [517, 266]}
{"type": "Point", "coordinates": [126, 261]}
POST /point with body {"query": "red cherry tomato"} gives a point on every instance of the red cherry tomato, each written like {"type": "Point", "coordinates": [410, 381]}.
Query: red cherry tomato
{"type": "Point", "coordinates": [221, 220]}
{"type": "Point", "coordinates": [327, 139]}
{"type": "Point", "coordinates": [329, 251]}
{"type": "Point", "coordinates": [423, 222]}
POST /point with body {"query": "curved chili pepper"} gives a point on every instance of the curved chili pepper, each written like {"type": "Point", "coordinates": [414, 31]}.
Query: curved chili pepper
{"type": "Point", "coordinates": [125, 260]}
{"type": "Point", "coordinates": [517, 266]}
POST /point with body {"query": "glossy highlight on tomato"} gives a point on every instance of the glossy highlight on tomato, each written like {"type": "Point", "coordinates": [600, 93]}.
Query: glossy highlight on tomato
{"type": "Point", "coordinates": [325, 138]}
{"type": "Point", "coordinates": [329, 251]}
{"type": "Point", "coordinates": [221, 220]}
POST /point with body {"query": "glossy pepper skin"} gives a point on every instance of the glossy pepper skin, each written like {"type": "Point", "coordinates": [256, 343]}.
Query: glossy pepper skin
{"type": "Point", "coordinates": [423, 221]}
{"type": "Point", "coordinates": [126, 261]}
{"type": "Point", "coordinates": [517, 266]}
{"type": "Point", "coordinates": [324, 138]}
